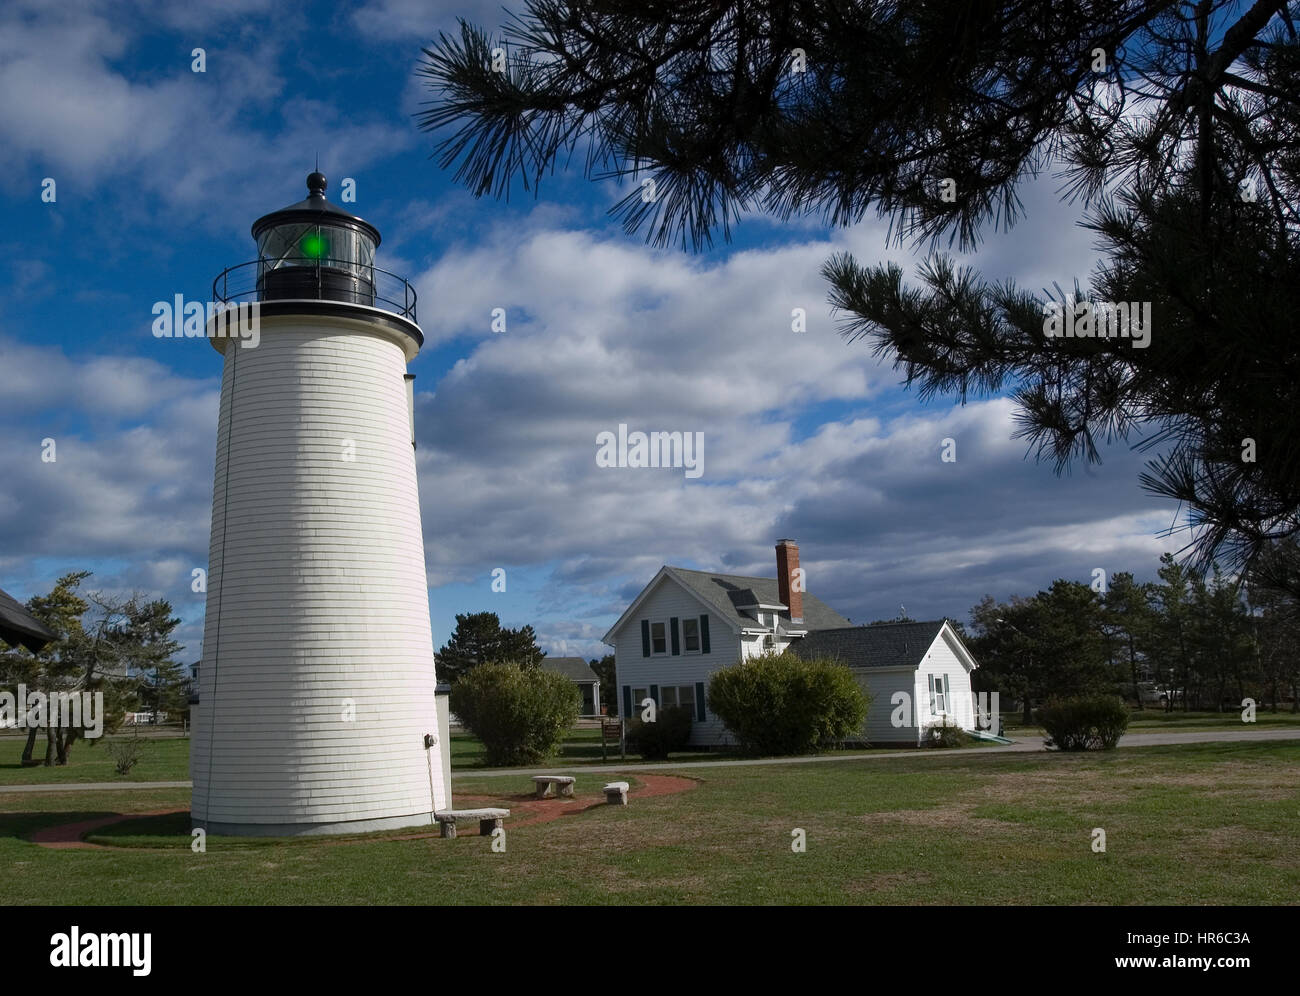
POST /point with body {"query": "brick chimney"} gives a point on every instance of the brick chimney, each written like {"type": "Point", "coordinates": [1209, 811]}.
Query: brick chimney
{"type": "Point", "coordinates": [787, 562]}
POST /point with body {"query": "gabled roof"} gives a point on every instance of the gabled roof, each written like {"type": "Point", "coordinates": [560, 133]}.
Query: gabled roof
{"type": "Point", "coordinates": [884, 645]}
{"type": "Point", "coordinates": [573, 668]}
{"type": "Point", "coordinates": [727, 592]}
{"type": "Point", "coordinates": [17, 625]}
{"type": "Point", "coordinates": [723, 594]}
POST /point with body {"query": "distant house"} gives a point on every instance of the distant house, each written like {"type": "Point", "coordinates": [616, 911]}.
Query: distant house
{"type": "Point", "coordinates": [580, 673]}
{"type": "Point", "coordinates": [686, 624]}
{"type": "Point", "coordinates": [20, 627]}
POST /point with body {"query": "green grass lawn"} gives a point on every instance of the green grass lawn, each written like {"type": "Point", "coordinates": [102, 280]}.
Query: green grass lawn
{"type": "Point", "coordinates": [167, 759]}
{"type": "Point", "coordinates": [164, 759]}
{"type": "Point", "coordinates": [1152, 720]}
{"type": "Point", "coordinates": [1192, 824]}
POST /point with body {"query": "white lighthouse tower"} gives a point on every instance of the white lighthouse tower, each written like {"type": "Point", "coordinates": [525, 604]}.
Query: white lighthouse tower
{"type": "Point", "coordinates": [317, 709]}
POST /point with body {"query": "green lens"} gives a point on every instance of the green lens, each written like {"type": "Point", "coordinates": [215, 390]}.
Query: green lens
{"type": "Point", "coordinates": [314, 246]}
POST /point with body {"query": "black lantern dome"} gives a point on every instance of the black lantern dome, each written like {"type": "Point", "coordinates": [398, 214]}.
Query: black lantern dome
{"type": "Point", "coordinates": [315, 249]}
{"type": "Point", "coordinates": [314, 257]}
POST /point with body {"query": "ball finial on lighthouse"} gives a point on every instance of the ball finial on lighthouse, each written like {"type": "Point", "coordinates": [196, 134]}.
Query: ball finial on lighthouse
{"type": "Point", "coordinates": [318, 708]}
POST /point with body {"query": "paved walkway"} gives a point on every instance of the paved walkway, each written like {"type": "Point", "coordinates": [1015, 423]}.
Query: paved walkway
{"type": "Point", "coordinates": [1022, 745]}
{"type": "Point", "coordinates": [92, 786]}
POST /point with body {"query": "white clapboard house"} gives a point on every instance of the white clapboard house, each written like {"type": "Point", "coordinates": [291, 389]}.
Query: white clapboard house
{"type": "Point", "coordinates": [686, 624]}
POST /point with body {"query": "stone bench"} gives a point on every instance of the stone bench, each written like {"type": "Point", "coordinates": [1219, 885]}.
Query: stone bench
{"type": "Point", "coordinates": [546, 785]}
{"type": "Point", "coordinates": [616, 793]}
{"type": "Point", "coordinates": [488, 819]}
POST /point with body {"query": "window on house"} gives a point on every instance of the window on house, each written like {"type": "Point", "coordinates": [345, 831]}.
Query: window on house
{"type": "Point", "coordinates": [639, 695]}
{"type": "Point", "coordinates": [691, 635]}
{"type": "Point", "coordinates": [938, 695]}
{"type": "Point", "coordinates": [677, 695]}
{"type": "Point", "coordinates": [658, 638]}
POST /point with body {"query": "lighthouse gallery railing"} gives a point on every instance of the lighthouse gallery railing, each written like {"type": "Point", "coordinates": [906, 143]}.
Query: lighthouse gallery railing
{"type": "Point", "coordinates": [315, 279]}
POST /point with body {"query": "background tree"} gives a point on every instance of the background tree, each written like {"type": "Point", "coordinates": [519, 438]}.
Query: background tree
{"type": "Point", "coordinates": [480, 639]}
{"type": "Point", "coordinates": [1127, 622]}
{"type": "Point", "coordinates": [1275, 619]}
{"type": "Point", "coordinates": [1225, 649]}
{"type": "Point", "coordinates": [160, 681]}
{"type": "Point", "coordinates": [1006, 653]}
{"type": "Point", "coordinates": [54, 668]}
{"type": "Point", "coordinates": [1175, 640]}
{"type": "Point", "coordinates": [102, 639]}
{"type": "Point", "coordinates": [1178, 124]}
{"type": "Point", "coordinates": [1050, 645]}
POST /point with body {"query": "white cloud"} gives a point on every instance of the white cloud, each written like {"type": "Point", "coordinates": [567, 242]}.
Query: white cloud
{"type": "Point", "coordinates": [167, 133]}
{"type": "Point", "coordinates": [604, 332]}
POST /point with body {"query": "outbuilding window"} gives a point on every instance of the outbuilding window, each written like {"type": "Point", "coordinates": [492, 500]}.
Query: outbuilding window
{"type": "Point", "coordinates": [938, 695]}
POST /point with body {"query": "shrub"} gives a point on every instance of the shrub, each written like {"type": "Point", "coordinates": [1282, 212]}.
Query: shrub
{"type": "Point", "coordinates": [669, 732]}
{"type": "Point", "coordinates": [1093, 722]}
{"type": "Point", "coordinates": [521, 714]}
{"type": "Point", "coordinates": [125, 752]}
{"type": "Point", "coordinates": [783, 704]}
{"type": "Point", "coordinates": [945, 734]}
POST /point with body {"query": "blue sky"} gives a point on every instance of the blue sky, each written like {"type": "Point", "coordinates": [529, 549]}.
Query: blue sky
{"type": "Point", "coordinates": [159, 173]}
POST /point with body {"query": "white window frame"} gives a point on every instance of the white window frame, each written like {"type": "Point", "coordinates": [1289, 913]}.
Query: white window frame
{"type": "Point", "coordinates": [653, 651]}
{"type": "Point", "coordinates": [939, 693]}
{"type": "Point", "coordinates": [686, 647]}
{"type": "Point", "coordinates": [663, 696]}
{"type": "Point", "coordinates": [637, 699]}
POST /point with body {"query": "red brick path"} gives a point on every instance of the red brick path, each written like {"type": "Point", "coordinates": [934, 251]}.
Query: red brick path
{"type": "Point", "coordinates": [533, 810]}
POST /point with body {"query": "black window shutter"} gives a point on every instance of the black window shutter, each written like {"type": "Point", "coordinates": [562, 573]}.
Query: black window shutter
{"type": "Point", "coordinates": [704, 634]}
{"type": "Point", "coordinates": [645, 637]}
{"type": "Point", "coordinates": [677, 647]}
{"type": "Point", "coordinates": [654, 694]}
{"type": "Point", "coordinates": [699, 701]}
{"type": "Point", "coordinates": [627, 702]}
